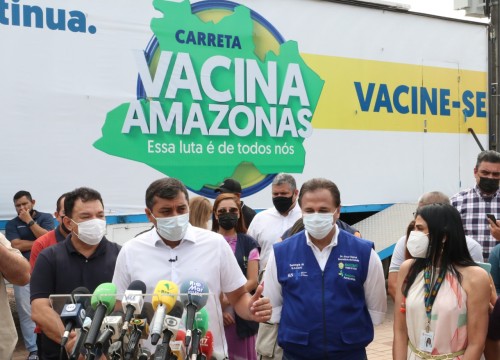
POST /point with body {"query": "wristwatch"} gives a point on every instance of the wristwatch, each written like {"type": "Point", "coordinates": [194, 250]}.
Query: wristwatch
{"type": "Point", "coordinates": [31, 223]}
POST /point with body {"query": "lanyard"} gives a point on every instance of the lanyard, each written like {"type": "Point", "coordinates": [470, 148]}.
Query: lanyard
{"type": "Point", "coordinates": [431, 291]}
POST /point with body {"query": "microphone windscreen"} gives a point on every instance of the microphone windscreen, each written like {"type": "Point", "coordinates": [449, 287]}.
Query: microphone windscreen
{"type": "Point", "coordinates": [137, 285]}
{"type": "Point", "coordinates": [165, 293]}
{"type": "Point", "coordinates": [194, 292]}
{"type": "Point", "coordinates": [177, 310]}
{"type": "Point", "coordinates": [201, 321]}
{"type": "Point", "coordinates": [77, 298]}
{"type": "Point", "coordinates": [207, 345]}
{"type": "Point", "coordinates": [105, 294]}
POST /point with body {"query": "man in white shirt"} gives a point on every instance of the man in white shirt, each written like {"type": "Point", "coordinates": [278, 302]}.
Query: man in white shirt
{"type": "Point", "coordinates": [268, 225]}
{"type": "Point", "coordinates": [176, 251]}
{"type": "Point", "coordinates": [318, 320]}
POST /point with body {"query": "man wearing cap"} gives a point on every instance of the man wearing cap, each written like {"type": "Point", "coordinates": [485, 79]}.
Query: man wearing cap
{"type": "Point", "coordinates": [232, 186]}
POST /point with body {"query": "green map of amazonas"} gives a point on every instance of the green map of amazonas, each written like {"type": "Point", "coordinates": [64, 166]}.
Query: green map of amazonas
{"type": "Point", "coordinates": [212, 103]}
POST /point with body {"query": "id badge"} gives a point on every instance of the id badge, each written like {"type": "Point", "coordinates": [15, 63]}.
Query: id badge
{"type": "Point", "coordinates": [426, 341]}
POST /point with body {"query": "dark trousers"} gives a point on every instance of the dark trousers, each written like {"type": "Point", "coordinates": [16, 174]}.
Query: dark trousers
{"type": "Point", "coordinates": [356, 355]}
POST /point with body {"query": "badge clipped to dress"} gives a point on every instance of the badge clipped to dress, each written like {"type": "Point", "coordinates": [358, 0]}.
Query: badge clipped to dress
{"type": "Point", "coordinates": [426, 340]}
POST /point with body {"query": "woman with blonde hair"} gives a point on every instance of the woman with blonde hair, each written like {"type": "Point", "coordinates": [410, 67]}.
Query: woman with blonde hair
{"type": "Point", "coordinates": [200, 212]}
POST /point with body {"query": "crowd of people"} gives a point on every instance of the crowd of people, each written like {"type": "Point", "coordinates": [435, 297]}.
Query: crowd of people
{"type": "Point", "coordinates": [262, 267]}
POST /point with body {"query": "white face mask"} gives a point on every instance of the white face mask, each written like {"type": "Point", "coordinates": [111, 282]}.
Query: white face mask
{"type": "Point", "coordinates": [172, 228]}
{"type": "Point", "coordinates": [318, 225]}
{"type": "Point", "coordinates": [417, 244]}
{"type": "Point", "coordinates": [92, 231]}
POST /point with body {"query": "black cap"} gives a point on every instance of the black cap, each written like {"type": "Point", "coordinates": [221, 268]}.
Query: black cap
{"type": "Point", "coordinates": [229, 186]}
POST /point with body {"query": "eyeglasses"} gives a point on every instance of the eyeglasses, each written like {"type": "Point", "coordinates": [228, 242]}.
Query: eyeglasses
{"type": "Point", "coordinates": [231, 210]}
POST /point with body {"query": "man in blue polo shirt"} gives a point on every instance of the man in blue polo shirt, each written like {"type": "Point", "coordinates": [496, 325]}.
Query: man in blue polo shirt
{"type": "Point", "coordinates": [326, 286]}
{"type": "Point", "coordinates": [22, 231]}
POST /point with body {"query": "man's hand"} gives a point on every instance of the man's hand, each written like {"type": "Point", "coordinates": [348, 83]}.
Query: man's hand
{"type": "Point", "coordinates": [25, 216]}
{"type": "Point", "coordinates": [495, 229]}
{"type": "Point", "coordinates": [260, 308]}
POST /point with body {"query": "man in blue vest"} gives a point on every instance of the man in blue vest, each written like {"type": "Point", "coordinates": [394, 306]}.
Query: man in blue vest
{"type": "Point", "coordinates": [326, 286]}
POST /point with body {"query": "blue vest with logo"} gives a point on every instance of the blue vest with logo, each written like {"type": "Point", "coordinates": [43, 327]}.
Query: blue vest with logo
{"type": "Point", "coordinates": [324, 314]}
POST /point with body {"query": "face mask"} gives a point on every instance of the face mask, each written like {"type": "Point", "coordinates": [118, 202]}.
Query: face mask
{"type": "Point", "coordinates": [172, 228]}
{"type": "Point", "coordinates": [92, 231]}
{"type": "Point", "coordinates": [488, 185]}
{"type": "Point", "coordinates": [63, 227]}
{"type": "Point", "coordinates": [228, 221]}
{"type": "Point", "coordinates": [282, 203]}
{"type": "Point", "coordinates": [318, 225]}
{"type": "Point", "coordinates": [417, 244]}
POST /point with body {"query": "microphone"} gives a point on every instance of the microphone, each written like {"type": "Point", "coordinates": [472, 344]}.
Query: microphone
{"type": "Point", "coordinates": [194, 296]}
{"type": "Point", "coordinates": [139, 330]}
{"type": "Point", "coordinates": [75, 353]}
{"type": "Point", "coordinates": [132, 302]}
{"type": "Point", "coordinates": [103, 300]}
{"type": "Point", "coordinates": [139, 326]}
{"type": "Point", "coordinates": [173, 259]}
{"type": "Point", "coordinates": [164, 298]}
{"type": "Point", "coordinates": [207, 346]}
{"type": "Point", "coordinates": [177, 347]}
{"type": "Point", "coordinates": [115, 351]}
{"type": "Point", "coordinates": [200, 329]}
{"type": "Point", "coordinates": [110, 329]}
{"type": "Point", "coordinates": [73, 315]}
{"type": "Point", "coordinates": [144, 354]}
{"type": "Point", "coordinates": [170, 328]}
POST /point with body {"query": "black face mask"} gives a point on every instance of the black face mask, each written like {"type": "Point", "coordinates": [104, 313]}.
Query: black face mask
{"type": "Point", "coordinates": [282, 203]}
{"type": "Point", "coordinates": [228, 221]}
{"type": "Point", "coordinates": [63, 227]}
{"type": "Point", "coordinates": [487, 185]}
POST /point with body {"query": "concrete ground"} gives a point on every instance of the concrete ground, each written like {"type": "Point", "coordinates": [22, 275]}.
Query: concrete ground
{"type": "Point", "coordinates": [379, 349]}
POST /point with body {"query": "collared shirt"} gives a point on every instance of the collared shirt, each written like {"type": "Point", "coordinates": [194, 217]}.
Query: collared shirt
{"type": "Point", "coordinates": [201, 255]}
{"type": "Point", "coordinates": [374, 286]}
{"type": "Point", "coordinates": [473, 207]}
{"type": "Point", "coordinates": [60, 269]}
{"type": "Point", "coordinates": [268, 226]}
{"type": "Point", "coordinates": [18, 229]}
{"type": "Point", "coordinates": [8, 333]}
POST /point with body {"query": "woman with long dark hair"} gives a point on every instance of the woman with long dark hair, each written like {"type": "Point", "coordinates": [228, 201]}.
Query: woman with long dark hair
{"type": "Point", "coordinates": [442, 302]}
{"type": "Point", "coordinates": [228, 221]}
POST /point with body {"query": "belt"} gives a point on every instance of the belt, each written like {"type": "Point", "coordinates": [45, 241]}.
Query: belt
{"type": "Point", "coordinates": [426, 355]}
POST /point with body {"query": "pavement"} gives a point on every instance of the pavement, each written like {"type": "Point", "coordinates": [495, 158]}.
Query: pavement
{"type": "Point", "coordinates": [379, 349]}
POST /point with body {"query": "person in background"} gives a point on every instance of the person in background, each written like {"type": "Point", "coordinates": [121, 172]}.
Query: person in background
{"type": "Point", "coordinates": [473, 204]}
{"type": "Point", "coordinates": [228, 221]}
{"type": "Point", "coordinates": [200, 212]}
{"type": "Point", "coordinates": [22, 231]}
{"type": "Point", "coordinates": [232, 186]}
{"type": "Point", "coordinates": [442, 297]}
{"type": "Point", "coordinates": [52, 237]}
{"type": "Point", "coordinates": [15, 269]}
{"type": "Point", "coordinates": [398, 256]}
{"type": "Point", "coordinates": [270, 224]}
